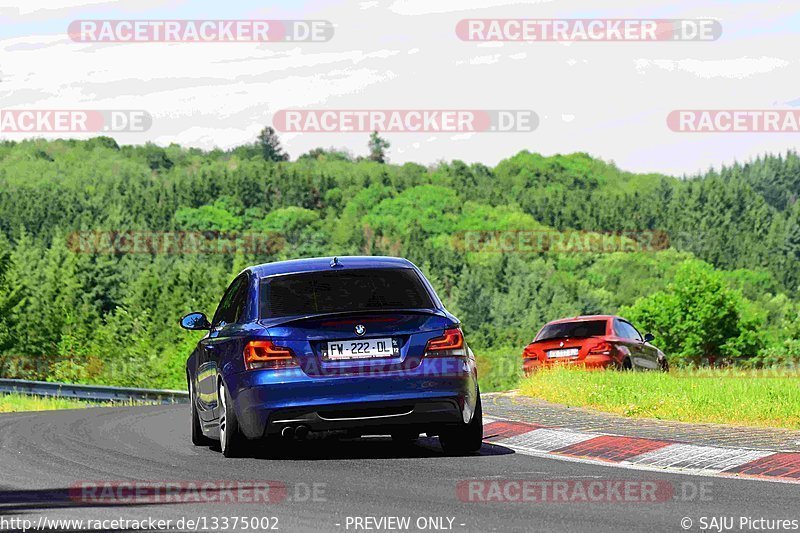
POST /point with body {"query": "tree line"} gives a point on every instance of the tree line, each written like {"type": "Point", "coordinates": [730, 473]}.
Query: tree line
{"type": "Point", "coordinates": [722, 289]}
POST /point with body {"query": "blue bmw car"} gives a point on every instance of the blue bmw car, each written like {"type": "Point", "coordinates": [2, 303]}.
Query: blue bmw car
{"type": "Point", "coordinates": [360, 344]}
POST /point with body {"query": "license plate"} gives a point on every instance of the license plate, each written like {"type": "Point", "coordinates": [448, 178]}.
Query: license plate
{"type": "Point", "coordinates": [362, 349]}
{"type": "Point", "coordinates": [566, 352]}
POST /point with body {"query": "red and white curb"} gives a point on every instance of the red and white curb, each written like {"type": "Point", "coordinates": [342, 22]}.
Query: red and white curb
{"type": "Point", "coordinates": [640, 453]}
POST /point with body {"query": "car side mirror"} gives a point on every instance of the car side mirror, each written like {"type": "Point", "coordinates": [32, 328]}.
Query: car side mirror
{"type": "Point", "coordinates": [649, 337]}
{"type": "Point", "coordinates": [195, 322]}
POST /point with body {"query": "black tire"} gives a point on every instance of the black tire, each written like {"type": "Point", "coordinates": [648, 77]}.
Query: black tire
{"type": "Point", "coordinates": [198, 438]}
{"type": "Point", "coordinates": [627, 365]}
{"type": "Point", "coordinates": [231, 441]}
{"type": "Point", "coordinates": [664, 365]}
{"type": "Point", "coordinates": [467, 438]}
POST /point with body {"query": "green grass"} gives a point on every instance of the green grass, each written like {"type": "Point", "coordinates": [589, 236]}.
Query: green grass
{"type": "Point", "coordinates": [13, 403]}
{"type": "Point", "coordinates": [764, 398]}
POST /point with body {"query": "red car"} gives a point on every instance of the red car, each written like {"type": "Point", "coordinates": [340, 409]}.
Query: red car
{"type": "Point", "coordinates": [597, 341]}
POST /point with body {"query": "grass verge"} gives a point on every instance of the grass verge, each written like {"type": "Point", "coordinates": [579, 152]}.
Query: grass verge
{"type": "Point", "coordinates": [763, 398]}
{"type": "Point", "coordinates": [13, 403]}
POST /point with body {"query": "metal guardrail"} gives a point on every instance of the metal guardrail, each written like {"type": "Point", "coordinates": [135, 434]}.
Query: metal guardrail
{"type": "Point", "coordinates": [95, 393]}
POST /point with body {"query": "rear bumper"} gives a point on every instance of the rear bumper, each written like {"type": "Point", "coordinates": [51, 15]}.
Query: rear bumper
{"type": "Point", "coordinates": [530, 366]}
{"type": "Point", "coordinates": [438, 392]}
{"type": "Point", "coordinates": [378, 417]}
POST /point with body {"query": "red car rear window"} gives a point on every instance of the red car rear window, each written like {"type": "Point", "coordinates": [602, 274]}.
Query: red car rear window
{"type": "Point", "coordinates": [574, 330]}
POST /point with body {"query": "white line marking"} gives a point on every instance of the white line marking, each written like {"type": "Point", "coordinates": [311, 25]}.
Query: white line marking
{"type": "Point", "coordinates": [546, 440]}
{"type": "Point", "coordinates": [645, 467]}
{"type": "Point", "coordinates": [690, 456]}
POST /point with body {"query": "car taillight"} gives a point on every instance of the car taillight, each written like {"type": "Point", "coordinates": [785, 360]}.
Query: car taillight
{"type": "Point", "coordinates": [264, 354]}
{"type": "Point", "coordinates": [604, 348]}
{"type": "Point", "coordinates": [529, 353]}
{"type": "Point", "coordinates": [451, 344]}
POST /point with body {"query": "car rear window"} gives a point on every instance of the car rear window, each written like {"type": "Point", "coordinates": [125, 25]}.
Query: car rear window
{"type": "Point", "coordinates": [342, 290]}
{"type": "Point", "coordinates": [575, 330]}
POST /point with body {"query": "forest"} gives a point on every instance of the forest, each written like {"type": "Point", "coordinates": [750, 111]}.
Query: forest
{"type": "Point", "coordinates": [104, 247]}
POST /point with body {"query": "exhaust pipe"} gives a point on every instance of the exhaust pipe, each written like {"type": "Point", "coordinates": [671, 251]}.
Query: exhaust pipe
{"type": "Point", "coordinates": [287, 432]}
{"type": "Point", "coordinates": [301, 432]}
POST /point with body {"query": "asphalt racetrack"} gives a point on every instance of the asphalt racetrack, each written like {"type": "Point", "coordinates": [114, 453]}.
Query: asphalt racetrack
{"type": "Point", "coordinates": [330, 484]}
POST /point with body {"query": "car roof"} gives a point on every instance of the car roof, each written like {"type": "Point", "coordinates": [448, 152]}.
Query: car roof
{"type": "Point", "coordinates": [318, 264]}
{"type": "Point", "coordinates": [584, 318]}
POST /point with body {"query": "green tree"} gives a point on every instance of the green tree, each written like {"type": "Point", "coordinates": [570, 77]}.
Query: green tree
{"type": "Point", "coordinates": [330, 154]}
{"type": "Point", "coordinates": [215, 217]}
{"type": "Point", "coordinates": [298, 232]}
{"type": "Point", "coordinates": [270, 145]}
{"type": "Point", "coordinates": [430, 208]}
{"type": "Point", "coordinates": [156, 157]}
{"type": "Point", "coordinates": [698, 317]}
{"type": "Point", "coordinates": [10, 296]}
{"type": "Point", "coordinates": [377, 148]}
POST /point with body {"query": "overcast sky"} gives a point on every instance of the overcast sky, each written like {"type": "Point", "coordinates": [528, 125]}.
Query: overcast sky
{"type": "Point", "coordinates": [608, 99]}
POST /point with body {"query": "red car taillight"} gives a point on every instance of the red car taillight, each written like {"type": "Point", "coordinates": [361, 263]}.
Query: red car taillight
{"type": "Point", "coordinates": [604, 348]}
{"type": "Point", "coordinates": [451, 344]}
{"type": "Point", "coordinates": [264, 354]}
{"type": "Point", "coordinates": [529, 353]}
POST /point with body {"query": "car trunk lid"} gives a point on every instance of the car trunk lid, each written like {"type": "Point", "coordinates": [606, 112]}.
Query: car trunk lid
{"type": "Point", "coordinates": [404, 331]}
